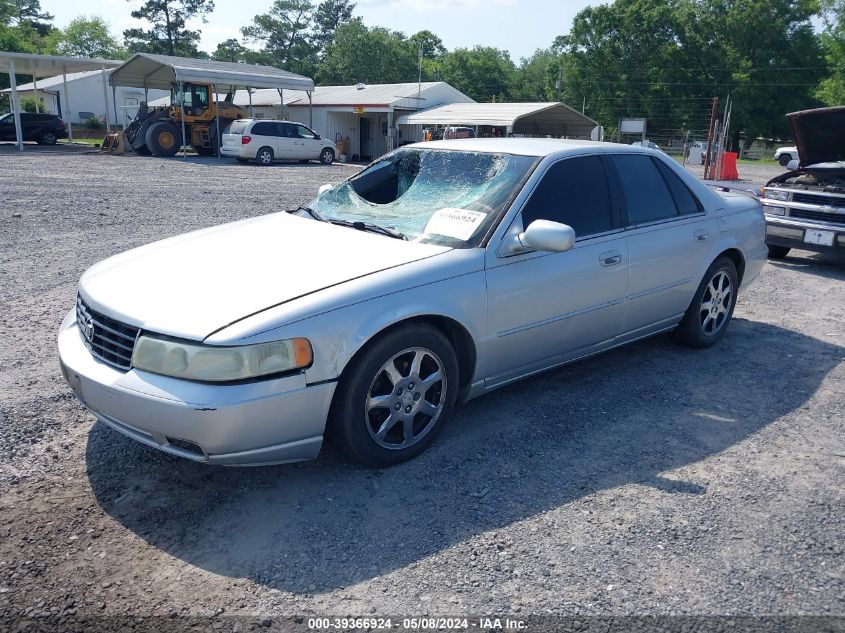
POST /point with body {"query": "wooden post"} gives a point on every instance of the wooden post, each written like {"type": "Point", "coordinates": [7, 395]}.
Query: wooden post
{"type": "Point", "coordinates": [710, 130]}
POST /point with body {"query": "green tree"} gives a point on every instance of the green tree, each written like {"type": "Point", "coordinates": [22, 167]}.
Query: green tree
{"type": "Point", "coordinates": [663, 59]}
{"type": "Point", "coordinates": [328, 16]}
{"type": "Point", "coordinates": [368, 55]}
{"type": "Point", "coordinates": [22, 12]}
{"type": "Point", "coordinates": [230, 50]}
{"type": "Point", "coordinates": [86, 37]}
{"type": "Point", "coordinates": [832, 88]}
{"type": "Point", "coordinates": [432, 46]}
{"type": "Point", "coordinates": [535, 76]}
{"type": "Point", "coordinates": [284, 32]}
{"type": "Point", "coordinates": [168, 32]}
{"type": "Point", "coordinates": [483, 72]}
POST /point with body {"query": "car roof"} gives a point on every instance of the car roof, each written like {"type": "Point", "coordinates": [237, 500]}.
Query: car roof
{"type": "Point", "coordinates": [269, 121]}
{"type": "Point", "coordinates": [540, 147]}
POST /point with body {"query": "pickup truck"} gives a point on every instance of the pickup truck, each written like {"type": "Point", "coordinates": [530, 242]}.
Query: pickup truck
{"type": "Point", "coordinates": [805, 207]}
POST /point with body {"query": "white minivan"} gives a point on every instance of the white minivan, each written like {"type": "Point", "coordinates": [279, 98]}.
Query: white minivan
{"type": "Point", "coordinates": [266, 140]}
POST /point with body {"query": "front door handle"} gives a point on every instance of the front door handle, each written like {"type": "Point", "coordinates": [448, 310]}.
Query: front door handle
{"type": "Point", "coordinates": [610, 258]}
{"type": "Point", "coordinates": [701, 235]}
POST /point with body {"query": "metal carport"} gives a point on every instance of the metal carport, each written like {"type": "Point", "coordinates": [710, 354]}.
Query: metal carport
{"type": "Point", "coordinates": [145, 70]}
{"type": "Point", "coordinates": [532, 119]}
{"type": "Point", "coordinates": [48, 66]}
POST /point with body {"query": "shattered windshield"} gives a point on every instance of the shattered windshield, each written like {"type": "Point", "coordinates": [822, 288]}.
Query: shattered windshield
{"type": "Point", "coordinates": [435, 196]}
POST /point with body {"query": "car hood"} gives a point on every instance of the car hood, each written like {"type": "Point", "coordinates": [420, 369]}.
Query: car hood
{"type": "Point", "coordinates": [192, 285]}
{"type": "Point", "coordinates": [819, 135]}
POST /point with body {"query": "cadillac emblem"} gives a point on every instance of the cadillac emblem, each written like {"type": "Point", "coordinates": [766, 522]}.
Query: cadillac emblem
{"type": "Point", "coordinates": [88, 328]}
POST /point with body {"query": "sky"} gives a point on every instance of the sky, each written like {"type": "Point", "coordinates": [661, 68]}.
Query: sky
{"type": "Point", "coordinates": [520, 27]}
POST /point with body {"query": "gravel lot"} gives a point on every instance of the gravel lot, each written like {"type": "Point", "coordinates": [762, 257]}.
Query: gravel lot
{"type": "Point", "coordinates": [651, 480]}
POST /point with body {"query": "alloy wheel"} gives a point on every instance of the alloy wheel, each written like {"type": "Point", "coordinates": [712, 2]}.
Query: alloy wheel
{"type": "Point", "coordinates": [716, 303]}
{"type": "Point", "coordinates": [265, 158]}
{"type": "Point", "coordinates": [405, 398]}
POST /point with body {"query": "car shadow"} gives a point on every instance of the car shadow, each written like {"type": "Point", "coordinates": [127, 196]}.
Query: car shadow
{"type": "Point", "coordinates": [626, 417]}
{"type": "Point", "coordinates": [819, 264]}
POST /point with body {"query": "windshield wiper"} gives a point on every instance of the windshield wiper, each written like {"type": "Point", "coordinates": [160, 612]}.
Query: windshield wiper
{"type": "Point", "coordinates": [372, 228]}
{"type": "Point", "coordinates": [314, 214]}
{"type": "Point", "coordinates": [361, 226]}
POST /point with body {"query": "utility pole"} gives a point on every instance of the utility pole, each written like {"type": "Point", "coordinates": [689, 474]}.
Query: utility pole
{"type": "Point", "coordinates": [559, 82]}
{"type": "Point", "coordinates": [710, 131]}
{"type": "Point", "coordinates": [419, 78]}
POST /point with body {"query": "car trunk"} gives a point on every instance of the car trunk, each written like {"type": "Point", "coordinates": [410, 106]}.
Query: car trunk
{"type": "Point", "coordinates": [232, 134]}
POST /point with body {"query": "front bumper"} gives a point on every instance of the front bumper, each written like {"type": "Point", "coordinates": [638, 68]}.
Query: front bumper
{"type": "Point", "coordinates": [789, 232]}
{"type": "Point", "coordinates": [263, 422]}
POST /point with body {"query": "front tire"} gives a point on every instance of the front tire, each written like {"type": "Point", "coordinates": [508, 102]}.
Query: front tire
{"type": "Point", "coordinates": [395, 396]}
{"type": "Point", "coordinates": [164, 139]}
{"type": "Point", "coordinates": [784, 159]}
{"type": "Point", "coordinates": [327, 156]}
{"type": "Point", "coordinates": [777, 252]}
{"type": "Point", "coordinates": [712, 307]}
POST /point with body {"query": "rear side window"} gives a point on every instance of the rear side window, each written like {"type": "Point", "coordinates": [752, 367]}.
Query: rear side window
{"type": "Point", "coordinates": [236, 127]}
{"type": "Point", "coordinates": [647, 197]}
{"type": "Point", "coordinates": [574, 192]}
{"type": "Point", "coordinates": [265, 128]}
{"type": "Point", "coordinates": [686, 202]}
{"type": "Point", "coordinates": [286, 130]}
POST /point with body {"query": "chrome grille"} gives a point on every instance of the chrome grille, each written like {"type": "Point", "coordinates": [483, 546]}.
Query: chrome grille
{"type": "Point", "coordinates": [836, 218]}
{"type": "Point", "coordinates": [108, 339]}
{"type": "Point", "coordinates": [815, 198]}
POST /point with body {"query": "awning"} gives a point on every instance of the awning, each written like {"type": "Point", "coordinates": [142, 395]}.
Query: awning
{"type": "Point", "coordinates": [536, 119]}
{"type": "Point", "coordinates": [144, 70]}
{"type": "Point", "coordinates": [47, 66]}
{"type": "Point", "coordinates": [50, 65]}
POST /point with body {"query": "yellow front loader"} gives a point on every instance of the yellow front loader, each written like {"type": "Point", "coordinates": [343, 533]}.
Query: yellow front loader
{"type": "Point", "coordinates": [158, 131]}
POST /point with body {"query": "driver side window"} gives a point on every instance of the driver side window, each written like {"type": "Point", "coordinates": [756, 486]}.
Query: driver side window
{"type": "Point", "coordinates": [304, 132]}
{"type": "Point", "coordinates": [573, 191]}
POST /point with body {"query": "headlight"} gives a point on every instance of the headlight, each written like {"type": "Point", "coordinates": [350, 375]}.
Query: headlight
{"type": "Point", "coordinates": [193, 361]}
{"type": "Point", "coordinates": [771, 194]}
{"type": "Point", "coordinates": [767, 208]}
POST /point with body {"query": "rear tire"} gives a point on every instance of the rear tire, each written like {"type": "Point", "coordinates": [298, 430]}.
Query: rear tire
{"type": "Point", "coordinates": [712, 307]}
{"type": "Point", "coordinates": [264, 156]}
{"type": "Point", "coordinates": [395, 396]}
{"type": "Point", "coordinates": [47, 138]}
{"type": "Point", "coordinates": [164, 138]}
{"type": "Point", "coordinates": [777, 252]}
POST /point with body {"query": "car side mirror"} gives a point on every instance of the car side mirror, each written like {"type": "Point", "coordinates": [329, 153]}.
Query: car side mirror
{"type": "Point", "coordinates": [545, 235]}
{"type": "Point", "coordinates": [317, 137]}
{"type": "Point", "coordinates": [323, 189]}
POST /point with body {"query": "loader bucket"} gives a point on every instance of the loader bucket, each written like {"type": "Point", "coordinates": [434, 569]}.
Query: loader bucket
{"type": "Point", "coordinates": [114, 143]}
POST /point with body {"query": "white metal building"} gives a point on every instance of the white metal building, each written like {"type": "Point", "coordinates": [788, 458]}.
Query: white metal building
{"type": "Point", "coordinates": [86, 97]}
{"type": "Point", "coordinates": [364, 115]}
{"type": "Point", "coordinates": [518, 119]}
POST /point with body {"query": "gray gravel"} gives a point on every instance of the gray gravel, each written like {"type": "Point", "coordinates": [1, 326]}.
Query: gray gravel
{"type": "Point", "coordinates": [651, 480]}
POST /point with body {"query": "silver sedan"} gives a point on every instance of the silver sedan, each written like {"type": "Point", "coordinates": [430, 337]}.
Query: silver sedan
{"type": "Point", "coordinates": [442, 271]}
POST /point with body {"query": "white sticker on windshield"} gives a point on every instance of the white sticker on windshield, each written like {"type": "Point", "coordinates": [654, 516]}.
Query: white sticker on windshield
{"type": "Point", "coordinates": [457, 223]}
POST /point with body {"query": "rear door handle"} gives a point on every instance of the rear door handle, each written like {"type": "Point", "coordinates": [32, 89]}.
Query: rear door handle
{"type": "Point", "coordinates": [610, 258]}
{"type": "Point", "coordinates": [701, 235]}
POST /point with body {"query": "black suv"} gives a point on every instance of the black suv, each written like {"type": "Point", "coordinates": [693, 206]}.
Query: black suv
{"type": "Point", "coordinates": [45, 129]}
